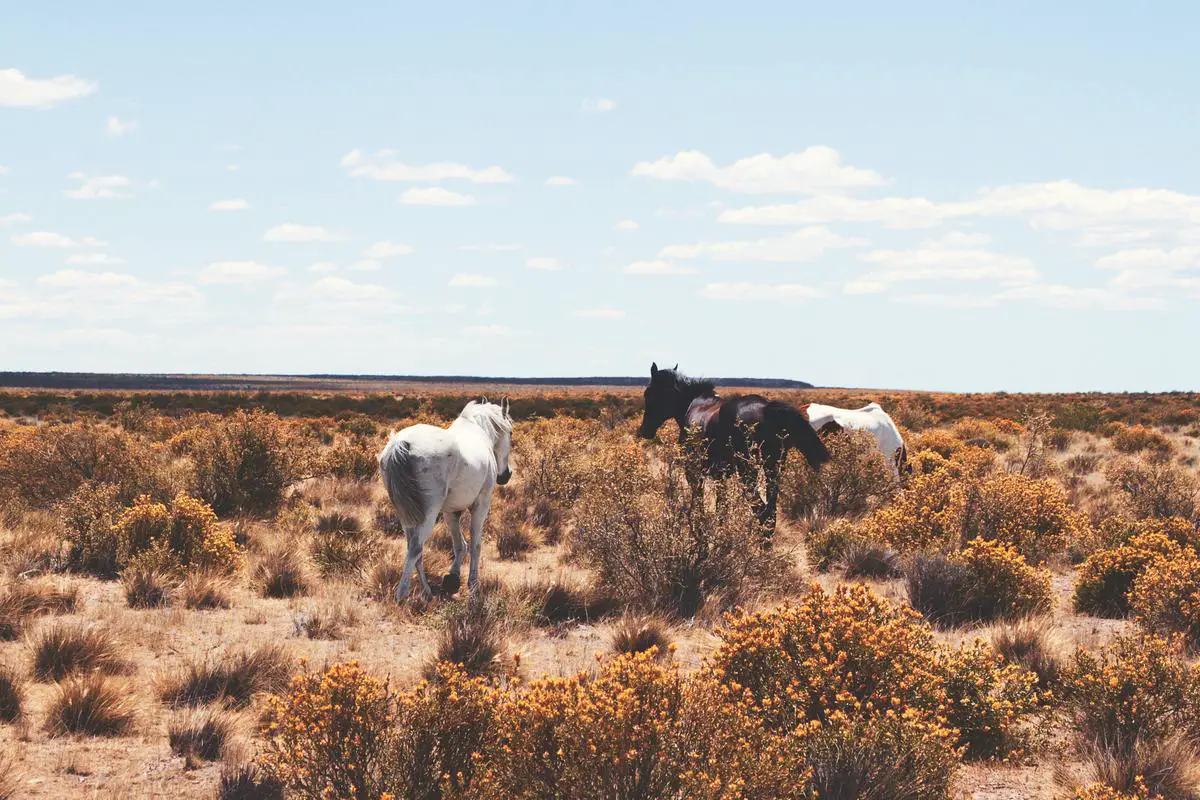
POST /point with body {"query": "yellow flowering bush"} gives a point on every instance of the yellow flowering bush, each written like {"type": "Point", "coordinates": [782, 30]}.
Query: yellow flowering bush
{"type": "Point", "coordinates": [1102, 791]}
{"type": "Point", "coordinates": [1003, 585]}
{"type": "Point", "coordinates": [1105, 579]}
{"type": "Point", "coordinates": [856, 476]}
{"type": "Point", "coordinates": [926, 516]}
{"type": "Point", "coordinates": [989, 702]}
{"type": "Point", "coordinates": [1166, 596]}
{"type": "Point", "coordinates": [1139, 438]}
{"type": "Point", "coordinates": [184, 534]}
{"type": "Point", "coordinates": [1033, 516]}
{"type": "Point", "coordinates": [330, 734]}
{"type": "Point", "coordinates": [1136, 688]}
{"type": "Point", "coordinates": [938, 440]}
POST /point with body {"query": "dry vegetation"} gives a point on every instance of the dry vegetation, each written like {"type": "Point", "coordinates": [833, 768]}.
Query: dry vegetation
{"type": "Point", "coordinates": [195, 602]}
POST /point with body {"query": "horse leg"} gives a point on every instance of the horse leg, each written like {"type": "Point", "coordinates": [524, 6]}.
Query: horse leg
{"type": "Point", "coordinates": [453, 579]}
{"type": "Point", "coordinates": [414, 559]}
{"type": "Point", "coordinates": [748, 475]}
{"type": "Point", "coordinates": [479, 512]}
{"type": "Point", "coordinates": [771, 465]}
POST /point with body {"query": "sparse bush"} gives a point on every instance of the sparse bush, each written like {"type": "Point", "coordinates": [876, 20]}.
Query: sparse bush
{"type": "Point", "coordinates": [12, 695]}
{"type": "Point", "coordinates": [91, 705]}
{"type": "Point", "coordinates": [202, 733]}
{"type": "Point", "coordinates": [638, 529]}
{"type": "Point", "coordinates": [989, 702]}
{"type": "Point", "coordinates": [352, 458]}
{"type": "Point", "coordinates": [825, 547]}
{"type": "Point", "coordinates": [1159, 489]}
{"type": "Point", "coordinates": [987, 581]}
{"type": "Point", "coordinates": [233, 679]}
{"type": "Point", "coordinates": [62, 648]}
{"type": "Point", "coordinates": [856, 475]}
{"type": "Point", "coordinates": [640, 634]}
{"type": "Point", "coordinates": [89, 515]}
{"type": "Point", "coordinates": [1082, 464]}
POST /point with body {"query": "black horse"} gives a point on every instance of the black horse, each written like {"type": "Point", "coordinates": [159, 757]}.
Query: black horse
{"type": "Point", "coordinates": [736, 434]}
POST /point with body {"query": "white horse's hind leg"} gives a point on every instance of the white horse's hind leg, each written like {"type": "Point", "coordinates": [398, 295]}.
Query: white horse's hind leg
{"type": "Point", "coordinates": [415, 560]}
{"type": "Point", "coordinates": [453, 522]}
{"type": "Point", "coordinates": [479, 512]}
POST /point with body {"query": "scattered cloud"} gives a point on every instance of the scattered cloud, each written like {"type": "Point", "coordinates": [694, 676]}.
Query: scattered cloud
{"type": "Point", "coordinates": [1075, 297]}
{"type": "Point", "coordinates": [815, 170]}
{"type": "Point", "coordinates": [115, 126]}
{"type": "Point", "coordinates": [560, 180]}
{"type": "Point", "coordinates": [293, 232]}
{"type": "Point", "coordinates": [232, 204]}
{"type": "Point", "coordinates": [1153, 258]}
{"type": "Point", "coordinates": [657, 267]}
{"type": "Point", "coordinates": [12, 220]}
{"type": "Point", "coordinates": [383, 166]}
{"type": "Point", "coordinates": [51, 239]}
{"type": "Point", "coordinates": [436, 196]}
{"type": "Point", "coordinates": [78, 279]}
{"type": "Point", "coordinates": [94, 260]}
{"type": "Point", "coordinates": [17, 90]}
{"type": "Point", "coordinates": [806, 244]}
{"type": "Point", "coordinates": [544, 263]}
{"type": "Point", "coordinates": [952, 257]}
{"type": "Point", "coordinates": [890, 212]}
{"type": "Point", "coordinates": [239, 272]}
{"type": "Point", "coordinates": [626, 225]}
{"type": "Point", "coordinates": [470, 281]}
{"type": "Point", "coordinates": [759, 292]}
{"type": "Point", "coordinates": [488, 331]}
{"type": "Point", "coordinates": [99, 187]}
{"type": "Point", "coordinates": [597, 105]}
{"type": "Point", "coordinates": [600, 313]}
{"type": "Point", "coordinates": [321, 267]}
{"type": "Point", "coordinates": [388, 249]}
{"type": "Point", "coordinates": [865, 286]}
{"type": "Point", "coordinates": [366, 265]}
{"type": "Point", "coordinates": [489, 248]}
{"type": "Point", "coordinates": [940, 300]}
{"type": "Point", "coordinates": [342, 290]}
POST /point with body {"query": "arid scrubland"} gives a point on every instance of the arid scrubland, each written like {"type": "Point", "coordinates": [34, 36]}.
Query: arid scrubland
{"type": "Point", "coordinates": [196, 603]}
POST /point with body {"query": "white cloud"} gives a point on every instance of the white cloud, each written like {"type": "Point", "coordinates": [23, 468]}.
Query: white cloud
{"type": "Point", "coordinates": [489, 248]}
{"type": "Point", "coordinates": [815, 170]}
{"type": "Point", "coordinates": [51, 239]}
{"type": "Point", "coordinates": [233, 204]}
{"type": "Point", "coordinates": [436, 196]}
{"type": "Point", "coordinates": [323, 267]}
{"type": "Point", "coordinates": [1153, 258]}
{"type": "Point", "coordinates": [115, 126]}
{"type": "Point", "coordinates": [239, 272]}
{"type": "Point", "coordinates": [10, 220]}
{"type": "Point", "coordinates": [94, 260]}
{"type": "Point", "coordinates": [947, 300]}
{"type": "Point", "coordinates": [388, 249]}
{"type": "Point", "coordinates": [781, 292]}
{"type": "Point", "coordinates": [865, 286]}
{"type": "Point", "coordinates": [343, 290]}
{"type": "Point", "coordinates": [626, 225]}
{"type": "Point", "coordinates": [366, 265]}
{"type": "Point", "coordinates": [597, 105]}
{"type": "Point", "coordinates": [891, 212]}
{"type": "Point", "coordinates": [600, 313]}
{"type": "Point", "coordinates": [99, 187]}
{"type": "Point", "coordinates": [543, 263]}
{"type": "Point", "coordinates": [488, 331]}
{"type": "Point", "coordinates": [657, 267]}
{"type": "Point", "coordinates": [465, 280]}
{"type": "Point", "coordinates": [17, 90]}
{"type": "Point", "coordinates": [293, 232]}
{"type": "Point", "coordinates": [952, 257]}
{"type": "Point", "coordinates": [560, 180]}
{"type": "Point", "coordinates": [232, 167]}
{"type": "Point", "coordinates": [806, 244]}
{"type": "Point", "coordinates": [78, 279]}
{"type": "Point", "coordinates": [383, 166]}
{"type": "Point", "coordinates": [1074, 297]}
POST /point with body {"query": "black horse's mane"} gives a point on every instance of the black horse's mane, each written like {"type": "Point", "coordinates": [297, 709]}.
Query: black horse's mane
{"type": "Point", "coordinates": [698, 387]}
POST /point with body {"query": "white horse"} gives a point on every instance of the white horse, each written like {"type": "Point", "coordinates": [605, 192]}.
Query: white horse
{"type": "Point", "coordinates": [430, 470]}
{"type": "Point", "coordinates": [871, 417]}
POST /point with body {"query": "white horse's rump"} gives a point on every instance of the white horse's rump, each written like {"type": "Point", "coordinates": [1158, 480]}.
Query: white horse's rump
{"type": "Point", "coordinates": [430, 470]}
{"type": "Point", "coordinates": [870, 417]}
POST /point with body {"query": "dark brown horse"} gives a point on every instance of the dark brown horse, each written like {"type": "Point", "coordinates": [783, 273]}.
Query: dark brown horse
{"type": "Point", "coordinates": [736, 434]}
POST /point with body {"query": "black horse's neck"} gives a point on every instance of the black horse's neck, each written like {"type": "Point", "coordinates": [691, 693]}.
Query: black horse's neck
{"type": "Point", "coordinates": [686, 391]}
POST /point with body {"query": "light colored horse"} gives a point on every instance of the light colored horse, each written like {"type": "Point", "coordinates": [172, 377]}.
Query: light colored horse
{"type": "Point", "coordinates": [430, 470]}
{"type": "Point", "coordinates": [870, 417]}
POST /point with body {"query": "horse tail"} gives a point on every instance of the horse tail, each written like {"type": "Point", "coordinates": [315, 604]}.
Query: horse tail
{"type": "Point", "coordinates": [398, 467]}
{"type": "Point", "coordinates": [797, 432]}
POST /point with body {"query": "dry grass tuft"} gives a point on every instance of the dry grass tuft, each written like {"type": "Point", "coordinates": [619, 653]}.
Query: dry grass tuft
{"type": "Point", "coordinates": [339, 522]}
{"type": "Point", "coordinates": [514, 542]}
{"type": "Point", "coordinates": [637, 635]}
{"type": "Point", "coordinates": [247, 782]}
{"type": "Point", "coordinates": [21, 600]}
{"type": "Point", "coordinates": [147, 587]}
{"type": "Point", "coordinates": [1169, 768]}
{"type": "Point", "coordinates": [330, 622]}
{"type": "Point", "coordinates": [281, 572]}
{"type": "Point", "coordinates": [201, 734]}
{"type": "Point", "coordinates": [205, 590]}
{"type": "Point", "coordinates": [867, 559]}
{"type": "Point", "coordinates": [63, 648]}
{"type": "Point", "coordinates": [93, 705]}
{"type": "Point", "coordinates": [1032, 643]}
{"type": "Point", "coordinates": [474, 636]}
{"type": "Point", "coordinates": [12, 695]}
{"type": "Point", "coordinates": [233, 679]}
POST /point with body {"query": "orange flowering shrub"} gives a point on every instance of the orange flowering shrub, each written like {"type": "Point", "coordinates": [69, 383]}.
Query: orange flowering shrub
{"type": "Point", "coordinates": [1137, 688]}
{"type": "Point", "coordinates": [856, 475]}
{"type": "Point", "coordinates": [185, 534]}
{"type": "Point", "coordinates": [1166, 596]}
{"type": "Point", "coordinates": [1001, 438]}
{"type": "Point", "coordinates": [1003, 585]}
{"type": "Point", "coordinates": [1139, 438]}
{"type": "Point", "coordinates": [1114, 531]}
{"type": "Point", "coordinates": [1102, 791]}
{"type": "Point", "coordinates": [1107, 576]}
{"type": "Point", "coordinates": [330, 735]}
{"type": "Point", "coordinates": [926, 516]}
{"type": "Point", "coordinates": [939, 441]}
{"type": "Point", "coordinates": [89, 516]}
{"type": "Point", "coordinates": [989, 702]}
{"type": "Point", "coordinates": [1033, 516]}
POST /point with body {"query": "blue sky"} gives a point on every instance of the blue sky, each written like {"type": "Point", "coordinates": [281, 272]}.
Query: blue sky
{"type": "Point", "coordinates": [920, 196]}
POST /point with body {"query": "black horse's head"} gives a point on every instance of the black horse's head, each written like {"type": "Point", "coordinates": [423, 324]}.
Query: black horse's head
{"type": "Point", "coordinates": [661, 400]}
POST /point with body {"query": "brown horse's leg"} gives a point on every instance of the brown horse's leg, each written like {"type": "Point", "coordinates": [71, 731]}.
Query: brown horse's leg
{"type": "Point", "coordinates": [771, 464]}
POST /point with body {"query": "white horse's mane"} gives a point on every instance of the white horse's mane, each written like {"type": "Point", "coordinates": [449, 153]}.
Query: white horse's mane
{"type": "Point", "coordinates": [488, 416]}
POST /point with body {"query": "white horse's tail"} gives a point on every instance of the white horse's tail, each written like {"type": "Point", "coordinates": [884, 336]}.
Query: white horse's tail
{"type": "Point", "coordinates": [397, 464]}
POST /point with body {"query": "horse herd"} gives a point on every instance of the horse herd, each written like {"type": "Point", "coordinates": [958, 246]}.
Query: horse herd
{"type": "Point", "coordinates": [431, 471]}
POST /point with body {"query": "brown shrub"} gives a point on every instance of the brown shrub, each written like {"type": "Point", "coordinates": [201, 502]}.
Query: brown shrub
{"type": "Point", "coordinates": [1155, 489]}
{"type": "Point", "coordinates": [1139, 438]}
{"type": "Point", "coordinates": [856, 476]}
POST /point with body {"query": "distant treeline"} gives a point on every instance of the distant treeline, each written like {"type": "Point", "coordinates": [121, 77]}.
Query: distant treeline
{"type": "Point", "coordinates": [166, 382]}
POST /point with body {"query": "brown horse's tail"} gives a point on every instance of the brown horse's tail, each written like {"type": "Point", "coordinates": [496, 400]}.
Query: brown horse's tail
{"type": "Point", "coordinates": [797, 432]}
